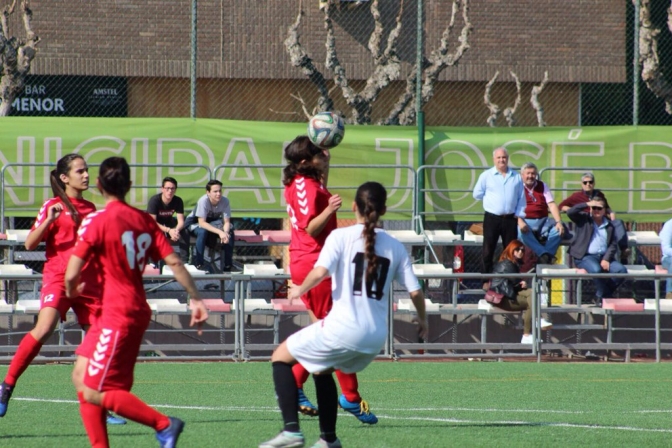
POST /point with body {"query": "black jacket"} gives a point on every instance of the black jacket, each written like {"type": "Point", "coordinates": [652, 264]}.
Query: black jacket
{"type": "Point", "coordinates": [507, 286]}
{"type": "Point", "coordinates": [583, 231]}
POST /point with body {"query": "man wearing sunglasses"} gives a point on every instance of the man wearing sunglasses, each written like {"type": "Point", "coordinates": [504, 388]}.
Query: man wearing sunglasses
{"type": "Point", "coordinates": [594, 246]}
{"type": "Point", "coordinates": [537, 231]}
{"type": "Point", "coordinates": [589, 192]}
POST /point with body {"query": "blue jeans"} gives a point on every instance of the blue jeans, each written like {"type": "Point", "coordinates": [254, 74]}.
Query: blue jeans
{"type": "Point", "coordinates": [544, 227]}
{"type": "Point", "coordinates": [604, 287]}
{"type": "Point", "coordinates": [202, 236]}
{"type": "Point", "coordinates": [667, 264]}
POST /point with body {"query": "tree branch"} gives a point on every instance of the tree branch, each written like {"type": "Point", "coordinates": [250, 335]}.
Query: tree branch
{"type": "Point", "coordinates": [438, 61]}
{"type": "Point", "coordinates": [652, 75]}
{"type": "Point", "coordinates": [536, 104]}
{"type": "Point", "coordinates": [494, 109]}
{"type": "Point", "coordinates": [510, 111]}
{"type": "Point", "coordinates": [300, 58]}
{"type": "Point", "coordinates": [16, 55]}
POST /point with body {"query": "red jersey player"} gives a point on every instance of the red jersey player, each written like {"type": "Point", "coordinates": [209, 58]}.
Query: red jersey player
{"type": "Point", "coordinates": [56, 224]}
{"type": "Point", "coordinates": [312, 214]}
{"type": "Point", "coordinates": [123, 239]}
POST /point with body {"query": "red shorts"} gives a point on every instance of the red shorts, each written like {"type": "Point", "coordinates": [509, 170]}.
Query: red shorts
{"type": "Point", "coordinates": [53, 296]}
{"type": "Point", "coordinates": [112, 353]}
{"type": "Point", "coordinates": [318, 300]}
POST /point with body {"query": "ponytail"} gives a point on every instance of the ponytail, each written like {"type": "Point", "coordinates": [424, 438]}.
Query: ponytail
{"type": "Point", "coordinates": [370, 200]}
{"type": "Point", "coordinates": [58, 187]}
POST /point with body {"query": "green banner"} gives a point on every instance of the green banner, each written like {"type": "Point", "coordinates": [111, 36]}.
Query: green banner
{"type": "Point", "coordinates": [631, 165]}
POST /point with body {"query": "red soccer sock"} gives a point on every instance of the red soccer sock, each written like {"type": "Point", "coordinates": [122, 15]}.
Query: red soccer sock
{"type": "Point", "coordinates": [94, 419]}
{"type": "Point", "coordinates": [131, 407]}
{"type": "Point", "coordinates": [27, 351]}
{"type": "Point", "coordinates": [300, 375]}
{"type": "Point", "coordinates": [349, 386]}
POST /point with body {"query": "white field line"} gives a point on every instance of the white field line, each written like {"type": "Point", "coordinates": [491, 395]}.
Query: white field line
{"type": "Point", "coordinates": [428, 419]}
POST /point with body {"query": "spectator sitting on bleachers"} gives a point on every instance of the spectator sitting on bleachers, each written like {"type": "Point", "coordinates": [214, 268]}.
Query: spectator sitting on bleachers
{"type": "Point", "coordinates": [589, 192]}
{"type": "Point", "coordinates": [594, 246]}
{"type": "Point", "coordinates": [517, 296]}
{"type": "Point", "coordinates": [168, 209]}
{"type": "Point", "coordinates": [209, 221]}
{"type": "Point", "coordinates": [536, 225]}
{"type": "Point", "coordinates": [666, 248]}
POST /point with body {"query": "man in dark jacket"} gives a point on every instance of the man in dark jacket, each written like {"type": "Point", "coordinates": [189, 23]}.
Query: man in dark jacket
{"type": "Point", "coordinates": [594, 246]}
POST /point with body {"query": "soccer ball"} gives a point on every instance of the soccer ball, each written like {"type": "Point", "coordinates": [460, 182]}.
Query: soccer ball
{"type": "Point", "coordinates": [326, 130]}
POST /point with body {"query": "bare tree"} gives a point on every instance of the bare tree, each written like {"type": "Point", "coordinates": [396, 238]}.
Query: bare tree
{"type": "Point", "coordinates": [536, 104]}
{"type": "Point", "coordinates": [509, 112]}
{"type": "Point", "coordinates": [16, 56]}
{"type": "Point", "coordinates": [494, 109]}
{"type": "Point", "coordinates": [387, 65]}
{"type": "Point", "coordinates": [652, 75]}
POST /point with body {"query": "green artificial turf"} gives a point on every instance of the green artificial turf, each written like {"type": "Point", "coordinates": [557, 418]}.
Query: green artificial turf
{"type": "Point", "coordinates": [419, 404]}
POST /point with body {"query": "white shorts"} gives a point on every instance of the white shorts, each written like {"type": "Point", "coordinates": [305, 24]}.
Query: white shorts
{"type": "Point", "coordinates": [317, 352]}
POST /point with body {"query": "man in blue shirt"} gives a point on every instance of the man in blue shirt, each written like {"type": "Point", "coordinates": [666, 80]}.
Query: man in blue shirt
{"type": "Point", "coordinates": [594, 246]}
{"type": "Point", "coordinates": [666, 248]}
{"type": "Point", "coordinates": [501, 190]}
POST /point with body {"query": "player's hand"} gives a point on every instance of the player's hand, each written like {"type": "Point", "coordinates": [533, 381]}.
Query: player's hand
{"type": "Point", "coordinates": [174, 234]}
{"type": "Point", "coordinates": [335, 203]}
{"type": "Point", "coordinates": [604, 264]}
{"type": "Point", "coordinates": [560, 228]}
{"type": "Point", "coordinates": [294, 293]}
{"type": "Point", "coordinates": [76, 292]}
{"type": "Point", "coordinates": [224, 237]}
{"type": "Point", "coordinates": [423, 329]}
{"type": "Point", "coordinates": [54, 212]}
{"type": "Point", "coordinates": [199, 314]}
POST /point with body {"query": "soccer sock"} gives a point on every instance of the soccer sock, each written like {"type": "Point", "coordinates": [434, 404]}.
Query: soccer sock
{"type": "Point", "coordinates": [288, 395]}
{"type": "Point", "coordinates": [93, 417]}
{"type": "Point", "coordinates": [27, 351]}
{"type": "Point", "coordinates": [327, 401]}
{"type": "Point", "coordinates": [300, 375]}
{"type": "Point", "coordinates": [349, 386]}
{"type": "Point", "coordinates": [131, 407]}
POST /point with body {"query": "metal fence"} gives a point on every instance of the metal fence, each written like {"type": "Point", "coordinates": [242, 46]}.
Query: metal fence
{"type": "Point", "coordinates": [271, 62]}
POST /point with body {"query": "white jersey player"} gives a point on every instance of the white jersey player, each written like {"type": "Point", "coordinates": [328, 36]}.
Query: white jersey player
{"type": "Point", "coordinates": [362, 261]}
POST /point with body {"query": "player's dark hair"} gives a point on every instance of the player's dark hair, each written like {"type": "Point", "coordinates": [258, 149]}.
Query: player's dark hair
{"type": "Point", "coordinates": [209, 185]}
{"type": "Point", "coordinates": [169, 179]}
{"type": "Point", "coordinates": [299, 153]}
{"type": "Point", "coordinates": [115, 177]}
{"type": "Point", "coordinates": [63, 166]}
{"type": "Point", "coordinates": [370, 201]}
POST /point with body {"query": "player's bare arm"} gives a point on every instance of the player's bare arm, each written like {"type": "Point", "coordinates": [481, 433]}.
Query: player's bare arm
{"type": "Point", "coordinates": [418, 299]}
{"type": "Point", "coordinates": [313, 279]}
{"type": "Point", "coordinates": [34, 237]}
{"type": "Point", "coordinates": [73, 288]}
{"type": "Point", "coordinates": [317, 224]}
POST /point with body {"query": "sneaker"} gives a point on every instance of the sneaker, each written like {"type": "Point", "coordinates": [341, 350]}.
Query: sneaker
{"type": "Point", "coordinates": [114, 420]}
{"type": "Point", "coordinates": [305, 406]}
{"type": "Point", "coordinates": [321, 443]}
{"type": "Point", "coordinates": [359, 410]}
{"type": "Point", "coordinates": [285, 439]}
{"type": "Point", "coordinates": [168, 437]}
{"type": "Point", "coordinates": [5, 394]}
{"type": "Point", "coordinates": [545, 325]}
{"type": "Point", "coordinates": [527, 339]}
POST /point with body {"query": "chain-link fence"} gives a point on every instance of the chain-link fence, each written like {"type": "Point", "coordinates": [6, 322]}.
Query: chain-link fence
{"type": "Point", "coordinates": [281, 61]}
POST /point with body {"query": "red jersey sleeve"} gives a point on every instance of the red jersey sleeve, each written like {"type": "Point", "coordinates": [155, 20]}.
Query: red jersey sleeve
{"type": "Point", "coordinates": [43, 213]}
{"type": "Point", "coordinates": [305, 200]}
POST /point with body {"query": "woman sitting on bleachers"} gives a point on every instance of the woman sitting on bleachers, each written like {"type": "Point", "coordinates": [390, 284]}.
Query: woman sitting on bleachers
{"type": "Point", "coordinates": [517, 296]}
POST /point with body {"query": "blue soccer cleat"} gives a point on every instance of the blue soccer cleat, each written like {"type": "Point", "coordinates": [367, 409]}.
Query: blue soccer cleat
{"type": "Point", "coordinates": [305, 406]}
{"type": "Point", "coordinates": [168, 437]}
{"type": "Point", "coordinates": [114, 420]}
{"type": "Point", "coordinates": [359, 410]}
{"type": "Point", "coordinates": [5, 395]}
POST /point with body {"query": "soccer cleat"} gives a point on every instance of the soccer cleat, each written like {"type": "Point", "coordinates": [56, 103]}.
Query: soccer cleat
{"type": "Point", "coordinates": [321, 443]}
{"type": "Point", "coordinates": [285, 439]}
{"type": "Point", "coordinates": [168, 437]}
{"type": "Point", "coordinates": [359, 410]}
{"type": "Point", "coordinates": [305, 406]}
{"type": "Point", "coordinates": [114, 420]}
{"type": "Point", "coordinates": [5, 395]}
